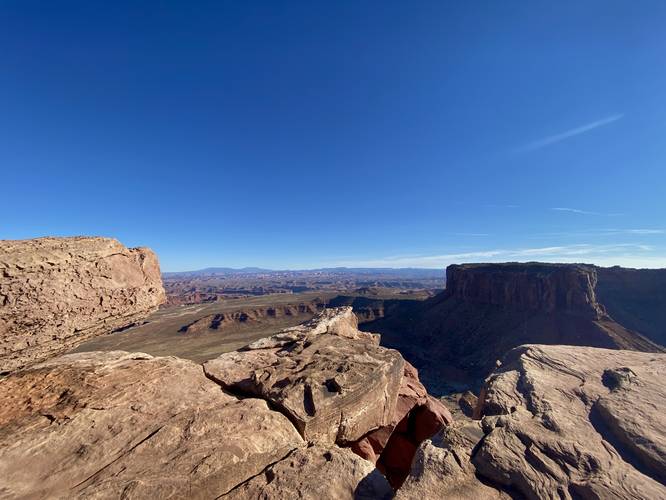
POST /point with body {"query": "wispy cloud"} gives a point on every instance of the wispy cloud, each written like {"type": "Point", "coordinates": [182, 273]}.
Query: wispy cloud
{"type": "Point", "coordinates": [554, 139]}
{"type": "Point", "coordinates": [584, 212]}
{"type": "Point", "coordinates": [600, 232]}
{"type": "Point", "coordinates": [628, 254]}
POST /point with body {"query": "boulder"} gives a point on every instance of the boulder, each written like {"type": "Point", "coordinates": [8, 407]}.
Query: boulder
{"type": "Point", "coordinates": [128, 425]}
{"type": "Point", "coordinates": [467, 403]}
{"type": "Point", "coordinates": [442, 469]}
{"type": "Point", "coordinates": [429, 418]}
{"type": "Point", "coordinates": [56, 293]}
{"type": "Point", "coordinates": [417, 416]}
{"type": "Point", "coordinates": [575, 422]}
{"type": "Point", "coordinates": [317, 473]}
{"type": "Point", "coordinates": [332, 381]}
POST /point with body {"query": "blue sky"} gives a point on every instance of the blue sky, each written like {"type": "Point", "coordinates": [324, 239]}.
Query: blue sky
{"type": "Point", "coordinates": [306, 134]}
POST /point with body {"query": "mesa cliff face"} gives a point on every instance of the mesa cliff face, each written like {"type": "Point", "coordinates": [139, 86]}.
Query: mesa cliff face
{"type": "Point", "coordinates": [57, 292]}
{"type": "Point", "coordinates": [537, 287]}
{"type": "Point", "coordinates": [456, 337]}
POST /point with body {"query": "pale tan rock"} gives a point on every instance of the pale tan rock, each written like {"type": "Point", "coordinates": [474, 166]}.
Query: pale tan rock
{"type": "Point", "coordinates": [116, 424]}
{"type": "Point", "coordinates": [441, 468]}
{"type": "Point", "coordinates": [334, 382]}
{"type": "Point", "coordinates": [316, 473]}
{"type": "Point", "coordinates": [57, 292]}
{"type": "Point", "coordinates": [576, 422]}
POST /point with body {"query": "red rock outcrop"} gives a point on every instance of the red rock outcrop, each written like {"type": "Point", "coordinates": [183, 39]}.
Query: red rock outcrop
{"type": "Point", "coordinates": [334, 382]}
{"type": "Point", "coordinates": [338, 386]}
{"type": "Point", "coordinates": [220, 321]}
{"type": "Point", "coordinates": [417, 416]}
{"type": "Point", "coordinates": [116, 424]}
{"type": "Point", "coordinates": [455, 338]}
{"type": "Point", "coordinates": [543, 287]}
{"type": "Point", "coordinates": [129, 425]}
{"type": "Point", "coordinates": [575, 422]}
{"type": "Point", "coordinates": [57, 292]}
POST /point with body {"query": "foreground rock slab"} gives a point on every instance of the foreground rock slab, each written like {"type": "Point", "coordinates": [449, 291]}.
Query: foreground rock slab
{"type": "Point", "coordinates": [57, 292]}
{"type": "Point", "coordinates": [576, 422]}
{"type": "Point", "coordinates": [116, 424]}
{"type": "Point", "coordinates": [317, 473]}
{"type": "Point", "coordinates": [332, 381]}
{"type": "Point", "coordinates": [442, 468]}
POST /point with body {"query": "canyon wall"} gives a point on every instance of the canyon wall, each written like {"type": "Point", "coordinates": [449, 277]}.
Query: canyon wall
{"type": "Point", "coordinates": [57, 292]}
{"type": "Point", "coordinates": [456, 337]}
{"type": "Point", "coordinates": [532, 286]}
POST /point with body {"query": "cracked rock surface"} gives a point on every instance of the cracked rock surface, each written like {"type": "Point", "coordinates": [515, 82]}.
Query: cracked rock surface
{"type": "Point", "coordinates": [442, 469]}
{"type": "Point", "coordinates": [128, 425]}
{"type": "Point", "coordinates": [575, 422]}
{"type": "Point", "coordinates": [332, 381]}
{"type": "Point", "coordinates": [317, 473]}
{"type": "Point", "coordinates": [57, 292]}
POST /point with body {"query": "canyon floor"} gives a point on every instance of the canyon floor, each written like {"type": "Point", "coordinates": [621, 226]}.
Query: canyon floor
{"type": "Point", "coordinates": [190, 331]}
{"type": "Point", "coordinates": [161, 333]}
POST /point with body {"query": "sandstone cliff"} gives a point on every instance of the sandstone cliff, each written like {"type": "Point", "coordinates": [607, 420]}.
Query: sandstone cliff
{"type": "Point", "coordinates": [635, 298]}
{"type": "Point", "coordinates": [456, 337]}
{"type": "Point", "coordinates": [557, 422]}
{"type": "Point", "coordinates": [540, 287]}
{"type": "Point", "coordinates": [57, 292]}
{"type": "Point", "coordinates": [269, 420]}
{"type": "Point", "coordinates": [295, 406]}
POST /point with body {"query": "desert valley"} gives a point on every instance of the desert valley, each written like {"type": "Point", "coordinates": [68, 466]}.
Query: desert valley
{"type": "Point", "coordinates": [514, 381]}
{"type": "Point", "coordinates": [350, 250]}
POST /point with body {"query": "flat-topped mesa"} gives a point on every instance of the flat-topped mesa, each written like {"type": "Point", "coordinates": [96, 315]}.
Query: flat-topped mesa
{"type": "Point", "coordinates": [57, 292]}
{"type": "Point", "coordinates": [566, 288]}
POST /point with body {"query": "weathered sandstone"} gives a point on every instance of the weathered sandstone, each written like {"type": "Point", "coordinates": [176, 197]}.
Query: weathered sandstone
{"type": "Point", "coordinates": [317, 473]}
{"type": "Point", "coordinates": [116, 424]}
{"type": "Point", "coordinates": [442, 469]}
{"type": "Point", "coordinates": [544, 287]}
{"type": "Point", "coordinates": [575, 422]}
{"type": "Point", "coordinates": [57, 292]}
{"type": "Point", "coordinates": [456, 337]}
{"type": "Point", "coordinates": [332, 381]}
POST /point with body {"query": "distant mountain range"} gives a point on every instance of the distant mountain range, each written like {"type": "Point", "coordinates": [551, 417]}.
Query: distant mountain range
{"type": "Point", "coordinates": [224, 271]}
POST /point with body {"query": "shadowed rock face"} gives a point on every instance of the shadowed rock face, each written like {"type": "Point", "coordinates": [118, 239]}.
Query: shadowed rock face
{"type": "Point", "coordinates": [575, 422]}
{"type": "Point", "coordinates": [635, 298]}
{"type": "Point", "coordinates": [442, 468]}
{"type": "Point", "coordinates": [456, 337]}
{"type": "Point", "coordinates": [543, 287]}
{"type": "Point", "coordinates": [57, 292]}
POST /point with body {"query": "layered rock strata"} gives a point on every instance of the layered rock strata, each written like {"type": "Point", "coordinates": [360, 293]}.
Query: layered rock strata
{"type": "Point", "coordinates": [576, 422]}
{"type": "Point", "coordinates": [57, 292]}
{"type": "Point", "coordinates": [456, 337]}
{"type": "Point", "coordinates": [337, 385]}
{"type": "Point", "coordinates": [543, 287]}
{"type": "Point", "coordinates": [116, 424]}
{"type": "Point", "coordinates": [289, 408]}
